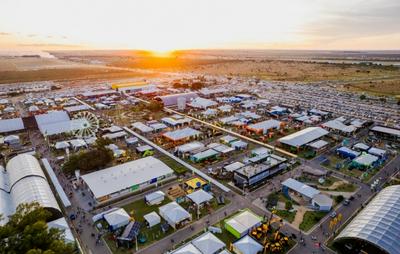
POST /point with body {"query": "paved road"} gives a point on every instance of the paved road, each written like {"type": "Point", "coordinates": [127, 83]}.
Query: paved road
{"type": "Point", "coordinates": [222, 129]}
{"type": "Point", "coordinates": [193, 169]}
{"type": "Point", "coordinates": [361, 197]}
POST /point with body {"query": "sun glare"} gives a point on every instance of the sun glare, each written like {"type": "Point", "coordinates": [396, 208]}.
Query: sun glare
{"type": "Point", "coordinates": [161, 53]}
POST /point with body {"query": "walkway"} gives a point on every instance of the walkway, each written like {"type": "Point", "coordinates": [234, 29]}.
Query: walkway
{"type": "Point", "coordinates": [190, 167]}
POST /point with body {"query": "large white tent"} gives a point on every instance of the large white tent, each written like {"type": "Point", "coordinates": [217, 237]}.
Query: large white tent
{"type": "Point", "coordinates": [126, 177]}
{"type": "Point", "coordinates": [117, 219]}
{"type": "Point", "coordinates": [208, 243]}
{"type": "Point", "coordinates": [247, 245]}
{"type": "Point", "coordinates": [200, 197]}
{"type": "Point", "coordinates": [304, 136]}
{"type": "Point", "coordinates": [25, 182]}
{"type": "Point", "coordinates": [174, 214]}
{"type": "Point", "coordinates": [152, 219]}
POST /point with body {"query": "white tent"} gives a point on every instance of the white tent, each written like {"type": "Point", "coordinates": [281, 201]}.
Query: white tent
{"type": "Point", "coordinates": [117, 219]}
{"type": "Point", "coordinates": [200, 197]}
{"type": "Point", "coordinates": [247, 245]}
{"type": "Point", "coordinates": [155, 198]}
{"type": "Point", "coordinates": [187, 249]}
{"type": "Point", "coordinates": [174, 214]}
{"type": "Point", "coordinates": [152, 219]}
{"type": "Point", "coordinates": [78, 143]}
{"type": "Point", "coordinates": [62, 145]}
{"type": "Point", "coordinates": [208, 243]}
{"type": "Point", "coordinates": [62, 224]}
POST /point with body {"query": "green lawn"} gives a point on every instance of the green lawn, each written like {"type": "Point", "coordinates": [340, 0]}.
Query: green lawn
{"type": "Point", "coordinates": [177, 167]}
{"type": "Point", "coordinates": [286, 215]}
{"type": "Point", "coordinates": [137, 210]}
{"type": "Point", "coordinates": [310, 219]}
{"type": "Point", "coordinates": [346, 187]}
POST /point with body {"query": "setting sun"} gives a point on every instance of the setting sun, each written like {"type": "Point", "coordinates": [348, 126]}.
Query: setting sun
{"type": "Point", "coordinates": [161, 53]}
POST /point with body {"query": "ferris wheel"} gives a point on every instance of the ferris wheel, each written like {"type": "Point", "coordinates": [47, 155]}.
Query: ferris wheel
{"type": "Point", "coordinates": [88, 126]}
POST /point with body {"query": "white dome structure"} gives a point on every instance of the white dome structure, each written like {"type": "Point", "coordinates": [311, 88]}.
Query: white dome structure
{"type": "Point", "coordinates": [24, 182]}
{"type": "Point", "coordinates": [376, 229]}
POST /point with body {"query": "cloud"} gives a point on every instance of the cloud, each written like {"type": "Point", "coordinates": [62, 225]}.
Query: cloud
{"type": "Point", "coordinates": [49, 45]}
{"type": "Point", "coordinates": [4, 34]}
{"type": "Point", "coordinates": [32, 35]}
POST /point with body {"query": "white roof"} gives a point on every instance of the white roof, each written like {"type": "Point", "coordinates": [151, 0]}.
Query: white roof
{"type": "Point", "coordinates": [62, 145]}
{"type": "Point", "coordinates": [244, 221]}
{"type": "Point", "coordinates": [77, 143]}
{"type": "Point", "coordinates": [114, 128]}
{"type": "Point", "coordinates": [51, 117]}
{"type": "Point", "coordinates": [300, 187]}
{"type": "Point", "coordinates": [387, 130]}
{"type": "Point", "coordinates": [234, 166]}
{"type": "Point", "coordinates": [318, 144]}
{"type": "Point", "coordinates": [366, 159]}
{"type": "Point", "coordinates": [24, 182]}
{"type": "Point", "coordinates": [62, 224]}
{"type": "Point", "coordinates": [117, 217]}
{"type": "Point", "coordinates": [376, 151]}
{"type": "Point", "coordinates": [200, 196]}
{"type": "Point", "coordinates": [182, 133]}
{"type": "Point", "coordinates": [115, 135]}
{"type": "Point", "coordinates": [158, 126]}
{"type": "Point", "coordinates": [205, 154]}
{"type": "Point", "coordinates": [188, 147]}
{"type": "Point", "coordinates": [187, 249]}
{"type": "Point", "coordinates": [361, 146]}
{"type": "Point", "coordinates": [76, 108]}
{"type": "Point", "coordinates": [142, 127]}
{"type": "Point", "coordinates": [154, 195]}
{"type": "Point", "coordinates": [120, 177]}
{"type": "Point", "coordinates": [322, 200]}
{"type": "Point", "coordinates": [248, 245]}
{"type": "Point", "coordinates": [173, 212]}
{"type": "Point", "coordinates": [9, 125]}
{"type": "Point", "coordinates": [202, 103]}
{"type": "Point", "coordinates": [338, 125]}
{"type": "Point", "coordinates": [304, 136]}
{"type": "Point", "coordinates": [378, 223]}
{"type": "Point", "coordinates": [55, 128]}
{"type": "Point", "coordinates": [152, 218]}
{"type": "Point", "coordinates": [208, 243]}
{"type": "Point", "coordinates": [176, 120]}
{"type": "Point", "coordinates": [266, 125]}
{"type": "Point", "coordinates": [229, 139]}
{"type": "Point", "coordinates": [228, 119]}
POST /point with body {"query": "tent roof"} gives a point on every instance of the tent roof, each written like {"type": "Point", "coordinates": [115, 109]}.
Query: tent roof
{"type": "Point", "coordinates": [300, 187]}
{"type": "Point", "coordinates": [62, 224]}
{"type": "Point", "coordinates": [248, 245]}
{"type": "Point", "coordinates": [123, 176]}
{"type": "Point", "coordinates": [304, 136]}
{"type": "Point", "coordinates": [200, 196]}
{"type": "Point", "coordinates": [187, 249]}
{"type": "Point", "coordinates": [208, 243]}
{"type": "Point", "coordinates": [117, 217]}
{"type": "Point", "coordinates": [152, 217]}
{"type": "Point", "coordinates": [244, 221]}
{"type": "Point", "coordinates": [174, 212]}
{"type": "Point", "coordinates": [9, 125]}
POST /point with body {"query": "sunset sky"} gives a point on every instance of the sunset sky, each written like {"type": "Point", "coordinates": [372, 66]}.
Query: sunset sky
{"type": "Point", "coordinates": [193, 24]}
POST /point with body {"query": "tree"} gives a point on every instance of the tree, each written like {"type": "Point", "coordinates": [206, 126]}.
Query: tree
{"type": "Point", "coordinates": [155, 106]}
{"type": "Point", "coordinates": [288, 205]}
{"type": "Point", "coordinates": [90, 160]}
{"type": "Point", "coordinates": [27, 232]}
{"type": "Point", "coordinates": [363, 97]}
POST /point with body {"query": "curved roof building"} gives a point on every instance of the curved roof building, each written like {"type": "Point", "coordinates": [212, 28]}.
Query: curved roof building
{"type": "Point", "coordinates": [23, 181]}
{"type": "Point", "coordinates": [376, 229]}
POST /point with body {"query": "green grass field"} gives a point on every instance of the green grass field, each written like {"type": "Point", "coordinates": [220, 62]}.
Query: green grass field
{"type": "Point", "coordinates": [310, 219]}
